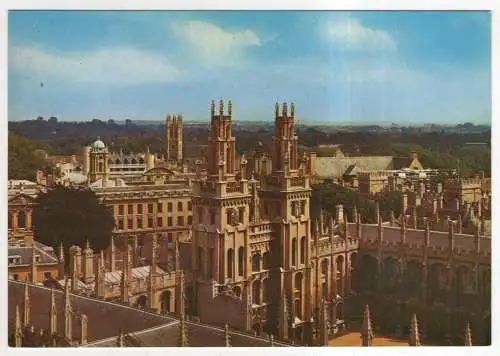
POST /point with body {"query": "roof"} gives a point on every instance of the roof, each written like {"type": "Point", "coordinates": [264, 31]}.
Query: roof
{"type": "Point", "coordinates": [75, 177]}
{"type": "Point", "coordinates": [98, 144]}
{"type": "Point", "coordinates": [328, 167]}
{"type": "Point", "coordinates": [105, 319]}
{"type": "Point", "coordinates": [24, 252]}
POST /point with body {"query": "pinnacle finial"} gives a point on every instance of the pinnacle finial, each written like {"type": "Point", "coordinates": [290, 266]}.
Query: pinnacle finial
{"type": "Point", "coordinates": [414, 332]}
{"type": "Point", "coordinates": [292, 109]}
{"type": "Point", "coordinates": [229, 108]}
{"type": "Point", "coordinates": [366, 328]}
{"type": "Point", "coordinates": [468, 335]}
{"type": "Point", "coordinates": [221, 107]}
{"type": "Point", "coordinates": [227, 337]}
{"type": "Point", "coordinates": [285, 109]}
{"type": "Point", "coordinates": [212, 108]}
{"type": "Point", "coordinates": [276, 110]}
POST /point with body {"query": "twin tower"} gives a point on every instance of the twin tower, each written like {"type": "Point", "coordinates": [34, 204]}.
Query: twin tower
{"type": "Point", "coordinates": [220, 128]}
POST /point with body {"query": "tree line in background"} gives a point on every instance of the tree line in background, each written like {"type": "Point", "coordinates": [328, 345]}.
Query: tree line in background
{"type": "Point", "coordinates": [468, 152]}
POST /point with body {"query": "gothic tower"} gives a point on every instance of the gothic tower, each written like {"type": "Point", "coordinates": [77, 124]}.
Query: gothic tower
{"type": "Point", "coordinates": [98, 161]}
{"type": "Point", "coordinates": [174, 128]}
{"type": "Point", "coordinates": [221, 204]}
{"type": "Point", "coordinates": [285, 197]}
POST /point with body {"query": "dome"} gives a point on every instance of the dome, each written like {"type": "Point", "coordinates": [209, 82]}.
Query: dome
{"type": "Point", "coordinates": [98, 144]}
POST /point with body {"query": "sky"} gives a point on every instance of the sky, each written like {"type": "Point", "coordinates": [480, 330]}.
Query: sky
{"type": "Point", "coordinates": [337, 67]}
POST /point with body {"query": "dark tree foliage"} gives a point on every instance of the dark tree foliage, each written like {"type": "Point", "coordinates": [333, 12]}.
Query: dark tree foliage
{"type": "Point", "coordinates": [327, 196]}
{"type": "Point", "coordinates": [72, 216]}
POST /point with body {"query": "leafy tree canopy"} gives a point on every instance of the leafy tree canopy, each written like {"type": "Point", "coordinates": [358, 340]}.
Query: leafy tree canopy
{"type": "Point", "coordinates": [24, 159]}
{"type": "Point", "coordinates": [327, 196]}
{"type": "Point", "coordinates": [72, 216]}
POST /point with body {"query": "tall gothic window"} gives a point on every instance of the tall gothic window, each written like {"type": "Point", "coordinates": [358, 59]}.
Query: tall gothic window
{"type": "Point", "coordinates": [294, 251]}
{"type": "Point", "coordinates": [241, 259]}
{"type": "Point", "coordinates": [303, 247]}
{"type": "Point", "coordinates": [230, 262]}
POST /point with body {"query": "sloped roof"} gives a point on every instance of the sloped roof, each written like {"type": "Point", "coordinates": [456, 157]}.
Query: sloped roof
{"type": "Point", "coordinates": [328, 167]}
{"type": "Point", "coordinates": [24, 253]}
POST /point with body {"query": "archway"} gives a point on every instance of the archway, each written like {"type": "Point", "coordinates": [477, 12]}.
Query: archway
{"type": "Point", "coordinates": [267, 290]}
{"type": "Point", "coordinates": [166, 301]}
{"type": "Point", "coordinates": [437, 281]}
{"type": "Point", "coordinates": [142, 301]}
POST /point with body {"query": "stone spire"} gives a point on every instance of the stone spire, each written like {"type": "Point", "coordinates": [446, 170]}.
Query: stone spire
{"type": "Point", "coordinates": [227, 337]}
{"type": "Point", "coordinates": [179, 294]}
{"type": "Point", "coordinates": [403, 229]}
{"type": "Point", "coordinates": [99, 285]}
{"type": "Point", "coordinates": [393, 218]}
{"type": "Point", "coordinates": [18, 332]}
{"type": "Point", "coordinates": [151, 287]}
{"type": "Point", "coordinates": [377, 212]}
{"type": "Point", "coordinates": [427, 233]}
{"type": "Point", "coordinates": [68, 322]}
{"type": "Point", "coordinates": [124, 286]}
{"type": "Point", "coordinates": [120, 340]}
{"type": "Point", "coordinates": [324, 324]}
{"type": "Point", "coordinates": [468, 335]}
{"type": "Point", "coordinates": [414, 217]}
{"type": "Point", "coordinates": [83, 331]}
{"type": "Point", "coordinates": [62, 270]}
{"type": "Point", "coordinates": [321, 223]}
{"type": "Point", "coordinates": [355, 213]}
{"type": "Point", "coordinates": [177, 256]}
{"type": "Point", "coordinates": [53, 314]}
{"type": "Point", "coordinates": [358, 226]}
{"type": "Point", "coordinates": [477, 239]}
{"type": "Point", "coordinates": [26, 305]}
{"type": "Point", "coordinates": [102, 260]}
{"type": "Point", "coordinates": [183, 334]}
{"type": "Point", "coordinates": [366, 328]}
{"type": "Point", "coordinates": [451, 238]}
{"type": "Point", "coordinates": [112, 258]}
{"type": "Point", "coordinates": [88, 265]}
{"type": "Point", "coordinates": [34, 269]}
{"type": "Point", "coordinates": [128, 262]}
{"type": "Point", "coordinates": [414, 333]}
{"type": "Point", "coordinates": [271, 340]}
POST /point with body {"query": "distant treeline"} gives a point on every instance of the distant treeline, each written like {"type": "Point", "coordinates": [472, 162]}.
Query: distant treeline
{"type": "Point", "coordinates": [469, 151]}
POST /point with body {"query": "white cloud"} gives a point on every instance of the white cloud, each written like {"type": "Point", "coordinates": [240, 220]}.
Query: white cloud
{"type": "Point", "coordinates": [214, 45]}
{"type": "Point", "coordinates": [351, 35]}
{"type": "Point", "coordinates": [113, 66]}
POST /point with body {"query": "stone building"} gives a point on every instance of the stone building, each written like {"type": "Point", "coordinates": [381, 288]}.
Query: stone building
{"type": "Point", "coordinates": [32, 261]}
{"type": "Point", "coordinates": [174, 140]}
{"type": "Point", "coordinates": [21, 201]}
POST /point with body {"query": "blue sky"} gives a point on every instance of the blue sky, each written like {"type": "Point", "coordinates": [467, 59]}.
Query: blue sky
{"type": "Point", "coordinates": [338, 67]}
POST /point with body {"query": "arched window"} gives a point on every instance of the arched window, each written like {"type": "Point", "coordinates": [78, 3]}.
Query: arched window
{"type": "Point", "coordinates": [230, 263]}
{"type": "Point", "coordinates": [241, 259]}
{"type": "Point", "coordinates": [256, 262]}
{"type": "Point", "coordinates": [165, 301]}
{"type": "Point", "coordinates": [141, 160]}
{"type": "Point", "coordinates": [303, 250]}
{"type": "Point", "coordinates": [117, 161]}
{"type": "Point", "coordinates": [256, 292]}
{"type": "Point", "coordinates": [101, 167]}
{"type": "Point", "coordinates": [125, 161]}
{"type": "Point", "coordinates": [294, 251]}
{"type": "Point", "coordinates": [134, 161]}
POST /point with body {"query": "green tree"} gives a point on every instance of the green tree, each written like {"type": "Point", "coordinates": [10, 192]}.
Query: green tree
{"type": "Point", "coordinates": [72, 216]}
{"type": "Point", "coordinates": [23, 160]}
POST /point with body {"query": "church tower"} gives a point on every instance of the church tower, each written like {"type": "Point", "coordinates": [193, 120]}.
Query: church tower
{"type": "Point", "coordinates": [98, 161]}
{"type": "Point", "coordinates": [174, 139]}
{"type": "Point", "coordinates": [285, 196]}
{"type": "Point", "coordinates": [221, 205]}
